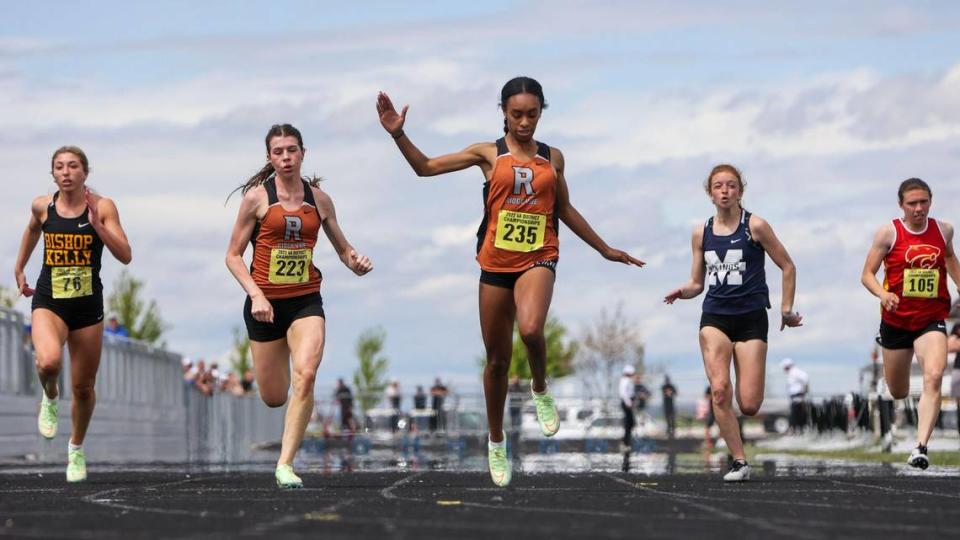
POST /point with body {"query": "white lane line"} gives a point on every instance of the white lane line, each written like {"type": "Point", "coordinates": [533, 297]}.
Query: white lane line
{"type": "Point", "coordinates": [387, 493]}
{"type": "Point", "coordinates": [758, 523]}
{"type": "Point", "coordinates": [898, 491]}
{"type": "Point", "coordinates": [102, 498]}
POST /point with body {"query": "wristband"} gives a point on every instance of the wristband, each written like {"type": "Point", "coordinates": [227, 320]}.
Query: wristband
{"type": "Point", "coordinates": [395, 137]}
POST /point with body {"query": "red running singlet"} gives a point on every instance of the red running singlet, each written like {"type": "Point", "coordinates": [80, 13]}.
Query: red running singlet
{"type": "Point", "coordinates": [915, 271]}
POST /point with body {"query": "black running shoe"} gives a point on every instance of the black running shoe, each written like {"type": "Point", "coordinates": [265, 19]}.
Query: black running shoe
{"type": "Point", "coordinates": [739, 472]}
{"type": "Point", "coordinates": [918, 458]}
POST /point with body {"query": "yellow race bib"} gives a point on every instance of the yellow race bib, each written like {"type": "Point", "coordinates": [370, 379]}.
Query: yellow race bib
{"type": "Point", "coordinates": [921, 282]}
{"type": "Point", "coordinates": [520, 231]}
{"type": "Point", "coordinates": [71, 281]}
{"type": "Point", "coordinates": [288, 266]}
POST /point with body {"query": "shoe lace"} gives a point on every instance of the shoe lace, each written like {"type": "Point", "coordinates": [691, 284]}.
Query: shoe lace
{"type": "Point", "coordinates": [78, 459]}
{"type": "Point", "coordinates": [49, 412]}
{"type": "Point", "coordinates": [499, 456]}
{"type": "Point", "coordinates": [737, 465]}
{"type": "Point", "coordinates": [544, 406]}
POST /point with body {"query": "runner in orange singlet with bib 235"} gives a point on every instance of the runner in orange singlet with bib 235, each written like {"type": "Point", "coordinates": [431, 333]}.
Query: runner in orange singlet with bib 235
{"type": "Point", "coordinates": [525, 198]}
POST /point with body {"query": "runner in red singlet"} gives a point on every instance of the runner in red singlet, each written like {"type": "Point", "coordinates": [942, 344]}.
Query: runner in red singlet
{"type": "Point", "coordinates": [917, 254]}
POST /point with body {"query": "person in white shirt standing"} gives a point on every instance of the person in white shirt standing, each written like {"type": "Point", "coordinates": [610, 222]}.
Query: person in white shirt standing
{"type": "Point", "coordinates": [626, 403]}
{"type": "Point", "coordinates": [798, 385]}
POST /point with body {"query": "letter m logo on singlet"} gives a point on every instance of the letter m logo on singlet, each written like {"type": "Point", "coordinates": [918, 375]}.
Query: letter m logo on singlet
{"type": "Point", "coordinates": [729, 270]}
{"type": "Point", "coordinates": [522, 180]}
{"type": "Point", "coordinates": [291, 232]}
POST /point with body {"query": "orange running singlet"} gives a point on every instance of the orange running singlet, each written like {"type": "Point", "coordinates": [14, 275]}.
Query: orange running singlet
{"type": "Point", "coordinates": [519, 227]}
{"type": "Point", "coordinates": [283, 244]}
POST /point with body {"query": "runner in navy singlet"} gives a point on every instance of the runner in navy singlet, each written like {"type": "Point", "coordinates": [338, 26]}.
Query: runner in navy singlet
{"type": "Point", "coordinates": [728, 257]}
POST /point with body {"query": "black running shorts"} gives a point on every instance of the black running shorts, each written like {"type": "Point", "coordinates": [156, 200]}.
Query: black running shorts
{"type": "Point", "coordinates": [894, 338]}
{"type": "Point", "coordinates": [741, 327]}
{"type": "Point", "coordinates": [285, 311]}
{"type": "Point", "coordinates": [508, 280]}
{"type": "Point", "coordinates": [76, 313]}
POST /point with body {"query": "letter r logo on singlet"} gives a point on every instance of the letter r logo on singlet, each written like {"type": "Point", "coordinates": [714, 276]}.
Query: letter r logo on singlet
{"type": "Point", "coordinates": [728, 270]}
{"type": "Point", "coordinates": [522, 179]}
{"type": "Point", "coordinates": [291, 232]}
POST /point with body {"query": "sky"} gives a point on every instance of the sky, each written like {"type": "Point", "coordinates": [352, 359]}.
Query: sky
{"type": "Point", "coordinates": [824, 106]}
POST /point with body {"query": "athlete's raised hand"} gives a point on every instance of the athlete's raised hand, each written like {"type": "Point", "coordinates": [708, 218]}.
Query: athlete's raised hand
{"type": "Point", "coordinates": [261, 308]}
{"type": "Point", "coordinates": [389, 119]}
{"type": "Point", "coordinates": [22, 286]}
{"type": "Point", "coordinates": [889, 301]}
{"type": "Point", "coordinates": [621, 256]}
{"type": "Point", "coordinates": [791, 319]}
{"type": "Point", "coordinates": [673, 296]}
{"type": "Point", "coordinates": [360, 264]}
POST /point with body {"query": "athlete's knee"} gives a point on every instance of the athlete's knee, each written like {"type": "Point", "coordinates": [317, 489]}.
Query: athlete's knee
{"type": "Point", "coordinates": [899, 392]}
{"type": "Point", "coordinates": [531, 333]}
{"type": "Point", "coordinates": [274, 401]}
{"type": "Point", "coordinates": [303, 381]}
{"type": "Point", "coordinates": [721, 394]}
{"type": "Point", "coordinates": [750, 408]}
{"type": "Point", "coordinates": [932, 381]}
{"type": "Point", "coordinates": [498, 365]}
{"type": "Point", "coordinates": [49, 363]}
{"type": "Point", "coordinates": [83, 391]}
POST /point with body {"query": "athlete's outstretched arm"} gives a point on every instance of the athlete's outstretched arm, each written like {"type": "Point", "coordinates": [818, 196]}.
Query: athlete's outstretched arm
{"type": "Point", "coordinates": [475, 154]}
{"type": "Point", "coordinates": [882, 242]}
{"type": "Point", "coordinates": [31, 235]}
{"type": "Point", "coordinates": [357, 263]}
{"type": "Point", "coordinates": [692, 288]}
{"type": "Point", "coordinates": [763, 233]}
{"type": "Point", "coordinates": [261, 308]}
{"type": "Point", "coordinates": [577, 223]}
{"type": "Point", "coordinates": [105, 219]}
{"type": "Point", "coordinates": [950, 258]}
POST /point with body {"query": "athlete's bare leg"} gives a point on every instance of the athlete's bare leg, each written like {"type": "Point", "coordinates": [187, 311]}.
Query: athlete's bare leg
{"type": "Point", "coordinates": [896, 371]}
{"type": "Point", "coordinates": [717, 352]}
{"type": "Point", "coordinates": [749, 363]}
{"type": "Point", "coordinates": [271, 367]}
{"type": "Point", "coordinates": [49, 333]}
{"type": "Point", "coordinates": [306, 339]}
{"type": "Point", "coordinates": [931, 349]}
{"type": "Point", "coordinates": [497, 315]}
{"type": "Point", "coordinates": [85, 346]}
{"type": "Point", "coordinates": [532, 294]}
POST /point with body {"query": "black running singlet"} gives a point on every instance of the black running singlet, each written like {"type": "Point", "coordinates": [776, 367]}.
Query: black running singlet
{"type": "Point", "coordinates": [72, 252]}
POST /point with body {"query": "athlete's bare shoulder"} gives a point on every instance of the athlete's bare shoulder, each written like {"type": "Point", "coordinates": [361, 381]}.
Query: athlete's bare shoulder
{"type": "Point", "coordinates": [947, 229]}
{"type": "Point", "coordinates": [485, 150]}
{"type": "Point", "coordinates": [40, 203]}
{"type": "Point", "coordinates": [885, 235]}
{"type": "Point", "coordinates": [557, 159]}
{"type": "Point", "coordinates": [321, 197]}
{"type": "Point", "coordinates": [254, 202]}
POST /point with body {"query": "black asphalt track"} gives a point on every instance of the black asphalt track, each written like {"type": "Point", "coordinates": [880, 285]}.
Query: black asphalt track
{"type": "Point", "coordinates": [434, 504]}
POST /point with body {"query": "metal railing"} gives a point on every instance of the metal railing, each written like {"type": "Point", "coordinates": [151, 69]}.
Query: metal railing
{"type": "Point", "coordinates": [145, 412]}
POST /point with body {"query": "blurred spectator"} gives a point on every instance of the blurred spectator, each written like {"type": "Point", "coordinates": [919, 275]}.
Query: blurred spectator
{"type": "Point", "coordinates": [420, 399]}
{"type": "Point", "coordinates": [627, 396]}
{"type": "Point", "coordinates": [516, 395]}
{"type": "Point", "coordinates": [640, 396]}
{"type": "Point", "coordinates": [344, 396]}
{"type": "Point", "coordinates": [798, 385]}
{"type": "Point", "coordinates": [202, 379]}
{"type": "Point", "coordinates": [247, 382]}
{"type": "Point", "coordinates": [439, 392]}
{"type": "Point", "coordinates": [953, 349]}
{"type": "Point", "coordinates": [393, 396]}
{"type": "Point", "coordinates": [114, 328]}
{"type": "Point", "coordinates": [669, 392]}
{"type": "Point", "coordinates": [231, 385]}
{"type": "Point", "coordinates": [189, 371]}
